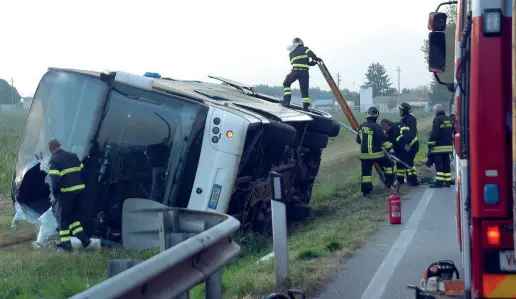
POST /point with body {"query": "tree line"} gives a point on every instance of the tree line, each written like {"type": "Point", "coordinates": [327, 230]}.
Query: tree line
{"type": "Point", "coordinates": [6, 93]}
{"type": "Point", "coordinates": [376, 77]}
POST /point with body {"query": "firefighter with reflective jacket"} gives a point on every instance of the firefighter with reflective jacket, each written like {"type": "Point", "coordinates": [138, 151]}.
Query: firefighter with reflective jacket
{"type": "Point", "coordinates": [371, 139]}
{"type": "Point", "coordinates": [440, 146]}
{"type": "Point", "coordinates": [412, 145]}
{"type": "Point", "coordinates": [68, 189]}
{"type": "Point", "coordinates": [299, 59]}
{"type": "Point", "coordinates": [395, 132]}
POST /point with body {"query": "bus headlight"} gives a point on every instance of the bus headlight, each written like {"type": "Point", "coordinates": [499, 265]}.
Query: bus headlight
{"type": "Point", "coordinates": [492, 22]}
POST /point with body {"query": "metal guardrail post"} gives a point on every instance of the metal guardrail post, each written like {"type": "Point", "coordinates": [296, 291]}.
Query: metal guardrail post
{"type": "Point", "coordinates": [174, 271]}
{"type": "Point", "coordinates": [279, 229]}
{"type": "Point", "coordinates": [213, 285]}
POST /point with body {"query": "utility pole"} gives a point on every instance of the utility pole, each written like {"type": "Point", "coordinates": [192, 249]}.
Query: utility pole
{"type": "Point", "coordinates": [12, 93]}
{"type": "Point", "coordinates": [338, 86]}
{"type": "Point", "coordinates": [399, 85]}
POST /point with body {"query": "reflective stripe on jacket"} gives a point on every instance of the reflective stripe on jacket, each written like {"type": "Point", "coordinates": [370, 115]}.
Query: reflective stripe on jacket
{"type": "Point", "coordinates": [411, 123]}
{"type": "Point", "coordinates": [66, 172]}
{"type": "Point", "coordinates": [441, 137]}
{"type": "Point", "coordinates": [371, 139]}
{"type": "Point", "coordinates": [299, 57]}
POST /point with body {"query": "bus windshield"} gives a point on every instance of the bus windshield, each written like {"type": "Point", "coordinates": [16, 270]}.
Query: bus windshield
{"type": "Point", "coordinates": [63, 108]}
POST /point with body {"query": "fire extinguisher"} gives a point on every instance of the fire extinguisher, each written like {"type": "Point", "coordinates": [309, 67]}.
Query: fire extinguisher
{"type": "Point", "coordinates": [395, 207]}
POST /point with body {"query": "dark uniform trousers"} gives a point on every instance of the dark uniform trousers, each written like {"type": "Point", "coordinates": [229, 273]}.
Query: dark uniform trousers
{"type": "Point", "coordinates": [302, 75]}
{"type": "Point", "coordinates": [442, 167]}
{"type": "Point", "coordinates": [402, 170]}
{"type": "Point", "coordinates": [68, 187]}
{"type": "Point", "coordinates": [69, 211]}
{"type": "Point", "coordinates": [367, 170]}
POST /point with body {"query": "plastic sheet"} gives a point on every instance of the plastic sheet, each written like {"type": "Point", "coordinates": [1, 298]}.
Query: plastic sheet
{"type": "Point", "coordinates": [23, 213]}
{"type": "Point", "coordinates": [46, 223]}
{"type": "Point", "coordinates": [45, 166]}
{"type": "Point", "coordinates": [47, 230]}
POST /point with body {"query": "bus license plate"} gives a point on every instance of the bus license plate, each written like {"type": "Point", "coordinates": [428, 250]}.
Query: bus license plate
{"type": "Point", "coordinates": [507, 260]}
{"type": "Point", "coordinates": [215, 194]}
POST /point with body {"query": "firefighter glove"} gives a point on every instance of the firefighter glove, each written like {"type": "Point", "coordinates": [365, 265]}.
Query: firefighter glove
{"type": "Point", "coordinates": [312, 63]}
{"type": "Point", "coordinates": [318, 59]}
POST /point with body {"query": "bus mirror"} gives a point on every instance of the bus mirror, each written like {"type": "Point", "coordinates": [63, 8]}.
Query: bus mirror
{"type": "Point", "coordinates": [436, 52]}
{"type": "Point", "coordinates": [437, 21]}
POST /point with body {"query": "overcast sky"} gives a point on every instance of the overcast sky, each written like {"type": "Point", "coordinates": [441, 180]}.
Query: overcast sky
{"type": "Point", "coordinates": [229, 38]}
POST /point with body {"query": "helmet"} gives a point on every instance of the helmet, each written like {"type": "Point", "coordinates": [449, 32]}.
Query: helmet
{"type": "Point", "coordinates": [295, 42]}
{"type": "Point", "coordinates": [373, 113]}
{"type": "Point", "coordinates": [404, 108]}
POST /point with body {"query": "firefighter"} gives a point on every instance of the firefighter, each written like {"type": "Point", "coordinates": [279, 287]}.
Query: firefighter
{"type": "Point", "coordinates": [395, 135]}
{"type": "Point", "coordinates": [371, 139]}
{"type": "Point", "coordinates": [68, 189]}
{"type": "Point", "coordinates": [299, 59]}
{"type": "Point", "coordinates": [412, 144]}
{"type": "Point", "coordinates": [440, 147]}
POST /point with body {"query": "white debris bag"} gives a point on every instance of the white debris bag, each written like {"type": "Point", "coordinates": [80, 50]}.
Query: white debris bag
{"type": "Point", "coordinates": [47, 225]}
{"type": "Point", "coordinates": [23, 213]}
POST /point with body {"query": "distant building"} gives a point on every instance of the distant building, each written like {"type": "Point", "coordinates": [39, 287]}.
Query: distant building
{"type": "Point", "coordinates": [419, 102]}
{"type": "Point", "coordinates": [322, 104]}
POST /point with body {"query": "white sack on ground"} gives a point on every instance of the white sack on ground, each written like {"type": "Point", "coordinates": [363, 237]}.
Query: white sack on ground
{"type": "Point", "coordinates": [47, 226]}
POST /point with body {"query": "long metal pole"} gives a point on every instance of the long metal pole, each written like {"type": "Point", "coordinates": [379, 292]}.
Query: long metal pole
{"type": "Point", "coordinates": [514, 118]}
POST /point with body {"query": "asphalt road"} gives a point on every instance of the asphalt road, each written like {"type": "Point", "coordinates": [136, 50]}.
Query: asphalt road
{"type": "Point", "coordinates": [398, 254]}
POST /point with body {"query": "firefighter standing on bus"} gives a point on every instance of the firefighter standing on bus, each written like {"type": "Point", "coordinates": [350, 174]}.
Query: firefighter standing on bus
{"type": "Point", "coordinates": [440, 147]}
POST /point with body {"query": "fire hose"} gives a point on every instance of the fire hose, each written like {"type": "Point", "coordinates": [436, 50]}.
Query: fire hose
{"type": "Point", "coordinates": [391, 156]}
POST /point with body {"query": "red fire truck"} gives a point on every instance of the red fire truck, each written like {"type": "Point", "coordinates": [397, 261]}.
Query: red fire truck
{"type": "Point", "coordinates": [481, 98]}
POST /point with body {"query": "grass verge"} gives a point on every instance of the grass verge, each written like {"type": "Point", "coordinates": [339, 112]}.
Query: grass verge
{"type": "Point", "coordinates": [343, 223]}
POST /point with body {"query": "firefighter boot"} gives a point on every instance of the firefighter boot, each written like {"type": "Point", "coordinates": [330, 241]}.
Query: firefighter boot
{"type": "Point", "coordinates": [436, 184]}
{"type": "Point", "coordinates": [447, 184]}
{"type": "Point", "coordinates": [78, 232]}
{"type": "Point", "coordinates": [286, 100]}
{"type": "Point", "coordinates": [305, 106]}
{"type": "Point", "coordinates": [64, 247]}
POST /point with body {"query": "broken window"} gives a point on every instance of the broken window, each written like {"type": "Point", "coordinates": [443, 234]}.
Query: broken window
{"type": "Point", "coordinates": [64, 108]}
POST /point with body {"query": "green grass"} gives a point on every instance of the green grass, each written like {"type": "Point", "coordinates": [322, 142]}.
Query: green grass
{"type": "Point", "coordinates": [343, 221]}
{"type": "Point", "coordinates": [11, 125]}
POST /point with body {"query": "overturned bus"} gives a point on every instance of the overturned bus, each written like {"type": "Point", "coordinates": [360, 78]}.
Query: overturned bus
{"type": "Point", "coordinates": [188, 144]}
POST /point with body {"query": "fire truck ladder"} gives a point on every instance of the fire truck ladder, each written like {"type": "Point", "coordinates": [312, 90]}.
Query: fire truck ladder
{"type": "Point", "coordinates": [345, 108]}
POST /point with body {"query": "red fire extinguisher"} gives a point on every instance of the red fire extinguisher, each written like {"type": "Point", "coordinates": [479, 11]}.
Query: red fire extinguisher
{"type": "Point", "coordinates": [395, 208]}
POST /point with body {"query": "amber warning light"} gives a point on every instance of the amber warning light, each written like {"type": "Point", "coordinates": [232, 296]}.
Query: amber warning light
{"type": "Point", "coordinates": [493, 235]}
{"type": "Point", "coordinates": [229, 134]}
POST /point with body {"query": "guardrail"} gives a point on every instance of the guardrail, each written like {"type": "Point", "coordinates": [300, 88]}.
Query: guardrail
{"type": "Point", "coordinates": [186, 264]}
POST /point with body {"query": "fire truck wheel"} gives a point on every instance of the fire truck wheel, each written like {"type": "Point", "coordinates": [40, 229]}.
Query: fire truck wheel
{"type": "Point", "coordinates": [279, 133]}
{"type": "Point", "coordinates": [315, 140]}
